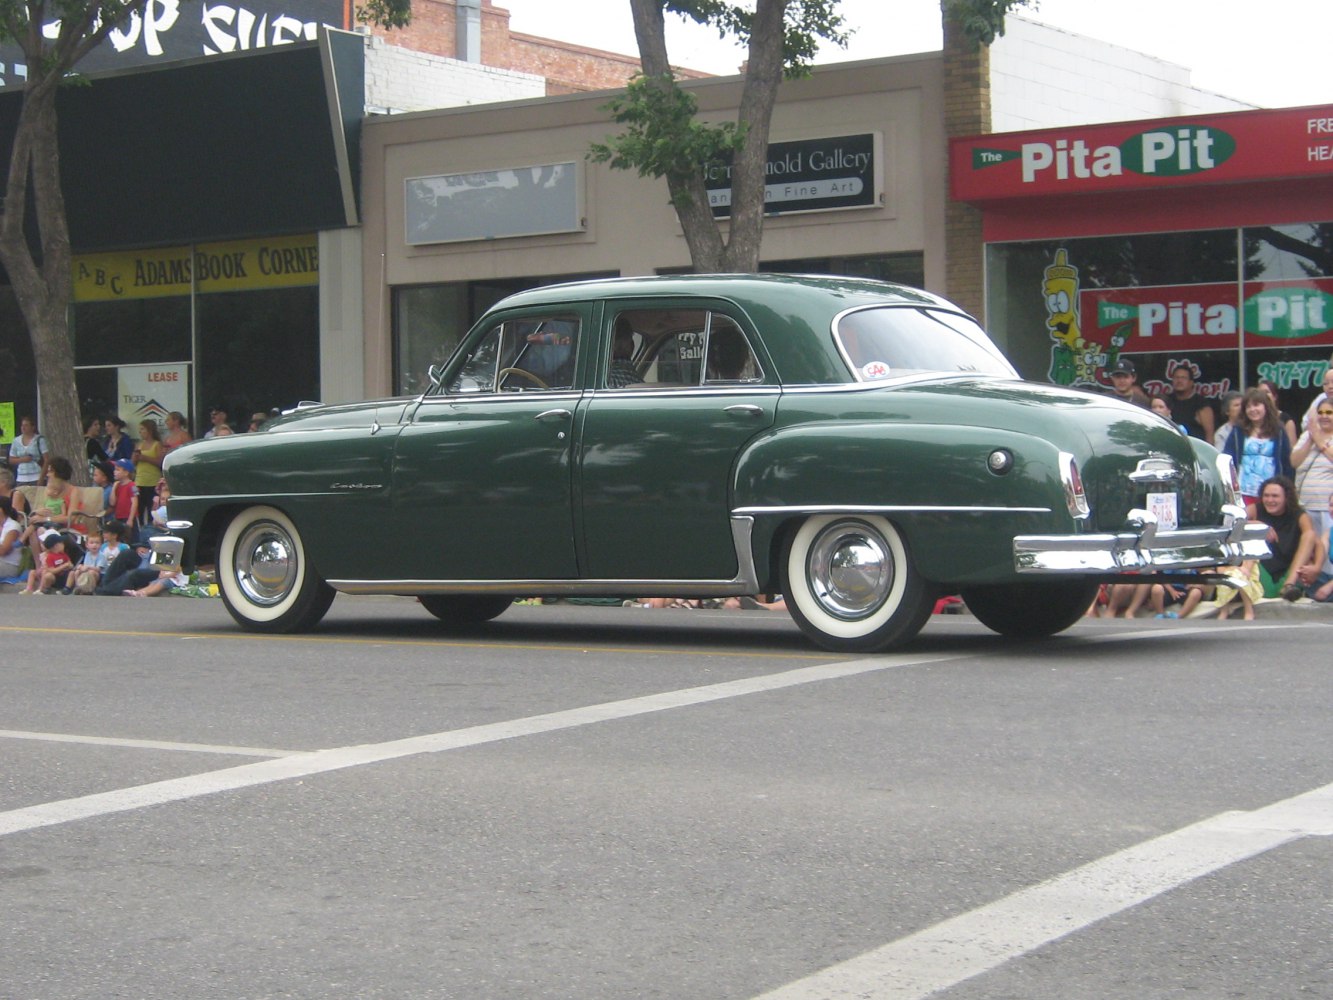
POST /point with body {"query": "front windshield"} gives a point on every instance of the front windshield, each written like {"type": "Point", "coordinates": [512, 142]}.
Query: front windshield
{"type": "Point", "coordinates": [529, 352]}
{"type": "Point", "coordinates": [891, 341]}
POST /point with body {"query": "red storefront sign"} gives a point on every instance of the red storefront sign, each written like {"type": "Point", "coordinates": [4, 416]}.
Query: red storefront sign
{"type": "Point", "coordinates": [1206, 149]}
{"type": "Point", "coordinates": [1209, 317]}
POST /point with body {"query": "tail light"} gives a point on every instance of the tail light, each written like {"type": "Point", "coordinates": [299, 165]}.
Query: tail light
{"type": "Point", "coordinates": [1076, 498]}
{"type": "Point", "coordinates": [1226, 472]}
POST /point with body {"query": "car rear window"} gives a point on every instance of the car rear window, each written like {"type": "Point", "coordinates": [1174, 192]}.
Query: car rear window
{"type": "Point", "coordinates": [891, 341]}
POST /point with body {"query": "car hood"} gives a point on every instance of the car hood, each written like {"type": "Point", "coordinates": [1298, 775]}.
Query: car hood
{"type": "Point", "coordinates": [334, 415]}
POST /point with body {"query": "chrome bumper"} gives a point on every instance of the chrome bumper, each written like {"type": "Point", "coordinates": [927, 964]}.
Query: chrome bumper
{"type": "Point", "coordinates": [169, 550]}
{"type": "Point", "coordinates": [1141, 547]}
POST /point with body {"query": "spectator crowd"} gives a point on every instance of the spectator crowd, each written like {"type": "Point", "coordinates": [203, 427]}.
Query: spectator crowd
{"type": "Point", "coordinates": [1285, 469]}
{"type": "Point", "coordinates": [58, 538]}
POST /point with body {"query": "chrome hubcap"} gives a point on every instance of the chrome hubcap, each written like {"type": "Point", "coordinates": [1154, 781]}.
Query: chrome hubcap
{"type": "Point", "coordinates": [266, 563]}
{"type": "Point", "coordinates": [850, 569]}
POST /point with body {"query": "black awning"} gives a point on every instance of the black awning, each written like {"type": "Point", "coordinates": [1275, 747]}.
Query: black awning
{"type": "Point", "coordinates": [256, 143]}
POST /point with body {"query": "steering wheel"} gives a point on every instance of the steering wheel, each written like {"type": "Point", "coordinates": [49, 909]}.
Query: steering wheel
{"type": "Point", "coordinates": [499, 377]}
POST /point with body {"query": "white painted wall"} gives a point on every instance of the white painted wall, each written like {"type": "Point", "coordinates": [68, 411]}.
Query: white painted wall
{"type": "Point", "coordinates": [399, 79]}
{"type": "Point", "coordinates": [1043, 77]}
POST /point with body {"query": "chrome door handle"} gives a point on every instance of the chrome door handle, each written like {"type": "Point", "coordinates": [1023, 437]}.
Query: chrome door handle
{"type": "Point", "coordinates": [547, 415]}
{"type": "Point", "coordinates": [744, 410]}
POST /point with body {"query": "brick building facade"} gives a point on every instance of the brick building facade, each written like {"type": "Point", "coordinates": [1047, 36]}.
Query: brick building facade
{"type": "Point", "coordinates": [567, 68]}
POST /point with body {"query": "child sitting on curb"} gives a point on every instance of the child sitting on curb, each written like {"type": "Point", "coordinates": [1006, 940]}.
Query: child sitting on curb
{"type": "Point", "coordinates": [53, 567]}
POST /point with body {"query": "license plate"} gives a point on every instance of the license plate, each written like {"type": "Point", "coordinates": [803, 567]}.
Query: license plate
{"type": "Point", "coordinates": [1164, 505]}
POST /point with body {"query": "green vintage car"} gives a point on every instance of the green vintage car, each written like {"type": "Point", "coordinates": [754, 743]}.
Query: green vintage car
{"type": "Point", "coordinates": [860, 447]}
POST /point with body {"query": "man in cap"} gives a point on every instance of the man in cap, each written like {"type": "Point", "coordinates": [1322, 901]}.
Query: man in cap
{"type": "Point", "coordinates": [218, 416]}
{"type": "Point", "coordinates": [1124, 385]}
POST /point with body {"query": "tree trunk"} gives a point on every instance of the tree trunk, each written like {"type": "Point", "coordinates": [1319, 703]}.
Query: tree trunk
{"type": "Point", "coordinates": [749, 167]}
{"type": "Point", "coordinates": [43, 287]}
{"type": "Point", "coordinates": [689, 194]}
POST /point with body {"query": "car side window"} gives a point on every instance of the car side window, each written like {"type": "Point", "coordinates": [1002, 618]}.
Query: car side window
{"type": "Point", "coordinates": [526, 354]}
{"type": "Point", "coordinates": [675, 349]}
{"type": "Point", "coordinates": [730, 358]}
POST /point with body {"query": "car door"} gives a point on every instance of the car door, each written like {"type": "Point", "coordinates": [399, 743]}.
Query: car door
{"type": "Point", "coordinates": [482, 477]}
{"type": "Point", "coordinates": [658, 444]}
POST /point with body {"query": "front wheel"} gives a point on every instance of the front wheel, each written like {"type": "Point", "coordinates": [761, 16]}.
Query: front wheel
{"type": "Point", "coordinates": [465, 609]}
{"type": "Point", "coordinates": [851, 584]}
{"type": "Point", "coordinates": [265, 577]}
{"type": "Point", "coordinates": [1030, 610]}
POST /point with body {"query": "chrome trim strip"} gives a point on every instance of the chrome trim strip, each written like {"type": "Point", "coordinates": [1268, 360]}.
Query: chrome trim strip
{"type": "Point", "coordinates": [746, 580]}
{"type": "Point", "coordinates": [668, 391]}
{"type": "Point", "coordinates": [888, 509]}
{"type": "Point", "coordinates": [531, 395]}
{"type": "Point", "coordinates": [243, 498]}
{"type": "Point", "coordinates": [892, 382]}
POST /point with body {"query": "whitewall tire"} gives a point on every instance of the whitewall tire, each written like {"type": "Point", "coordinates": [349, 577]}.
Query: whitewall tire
{"type": "Point", "coordinates": [851, 584]}
{"type": "Point", "coordinates": [264, 574]}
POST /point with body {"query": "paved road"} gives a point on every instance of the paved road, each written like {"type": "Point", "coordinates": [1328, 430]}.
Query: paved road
{"type": "Point", "coordinates": [581, 802]}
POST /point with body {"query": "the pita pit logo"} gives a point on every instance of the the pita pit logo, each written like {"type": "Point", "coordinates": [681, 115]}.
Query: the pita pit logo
{"type": "Point", "coordinates": [1177, 151]}
{"type": "Point", "coordinates": [1277, 313]}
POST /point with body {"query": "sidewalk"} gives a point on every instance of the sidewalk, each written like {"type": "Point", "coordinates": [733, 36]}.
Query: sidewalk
{"type": "Point", "coordinates": [1275, 608]}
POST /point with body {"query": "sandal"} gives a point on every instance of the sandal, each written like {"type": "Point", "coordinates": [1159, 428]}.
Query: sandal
{"type": "Point", "coordinates": [1291, 592]}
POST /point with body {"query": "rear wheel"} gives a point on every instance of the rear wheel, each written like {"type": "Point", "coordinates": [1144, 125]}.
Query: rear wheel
{"type": "Point", "coordinates": [1030, 610]}
{"type": "Point", "coordinates": [265, 577]}
{"type": "Point", "coordinates": [465, 609]}
{"type": "Point", "coordinates": [851, 584]}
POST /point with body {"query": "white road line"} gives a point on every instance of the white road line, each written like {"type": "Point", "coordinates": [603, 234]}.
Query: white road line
{"type": "Point", "coordinates": [304, 764]}
{"type": "Point", "coordinates": [107, 741]}
{"type": "Point", "coordinates": [983, 939]}
{"type": "Point", "coordinates": [298, 765]}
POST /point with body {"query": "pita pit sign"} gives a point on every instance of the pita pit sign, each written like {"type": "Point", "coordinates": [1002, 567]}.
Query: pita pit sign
{"type": "Point", "coordinates": [1208, 317]}
{"type": "Point", "coordinates": [1217, 149]}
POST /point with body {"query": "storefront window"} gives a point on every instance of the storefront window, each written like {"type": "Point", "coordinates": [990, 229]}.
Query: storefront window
{"type": "Point", "coordinates": [113, 337]}
{"type": "Point", "coordinates": [190, 327]}
{"type": "Point", "coordinates": [1288, 296]}
{"type": "Point", "coordinates": [258, 350]}
{"type": "Point", "coordinates": [132, 332]}
{"type": "Point", "coordinates": [1232, 306]}
{"type": "Point", "coordinates": [428, 323]}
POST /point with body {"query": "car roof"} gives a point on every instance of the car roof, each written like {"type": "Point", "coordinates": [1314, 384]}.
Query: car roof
{"type": "Point", "coordinates": [739, 287]}
{"type": "Point", "coordinates": [793, 312]}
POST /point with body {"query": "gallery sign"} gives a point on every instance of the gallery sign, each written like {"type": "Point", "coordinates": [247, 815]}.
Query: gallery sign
{"type": "Point", "coordinates": [809, 175]}
{"type": "Point", "coordinates": [1208, 149]}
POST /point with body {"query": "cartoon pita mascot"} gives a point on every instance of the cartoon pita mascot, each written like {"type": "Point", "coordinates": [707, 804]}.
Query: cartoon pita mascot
{"type": "Point", "coordinates": [1073, 360]}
